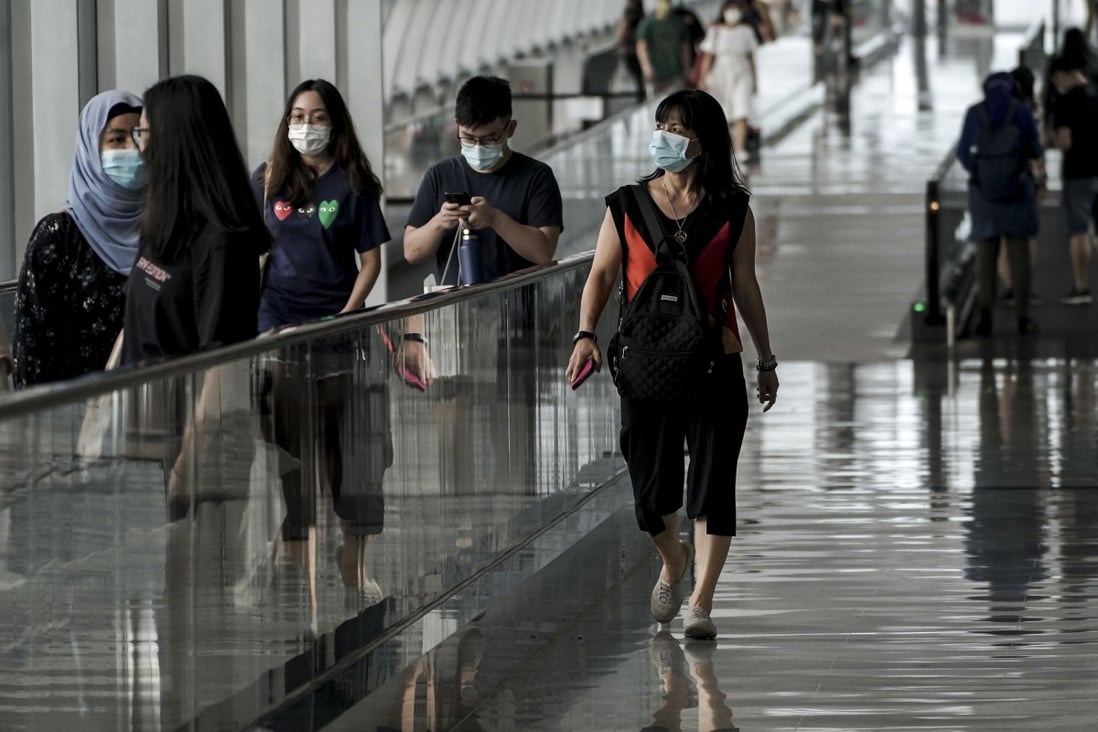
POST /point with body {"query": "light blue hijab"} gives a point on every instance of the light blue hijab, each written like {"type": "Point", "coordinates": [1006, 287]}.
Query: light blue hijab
{"type": "Point", "coordinates": [106, 213]}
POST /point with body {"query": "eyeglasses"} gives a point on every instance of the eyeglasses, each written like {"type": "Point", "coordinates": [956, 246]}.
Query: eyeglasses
{"type": "Point", "coordinates": [139, 135]}
{"type": "Point", "coordinates": [297, 120]}
{"type": "Point", "coordinates": [495, 139]}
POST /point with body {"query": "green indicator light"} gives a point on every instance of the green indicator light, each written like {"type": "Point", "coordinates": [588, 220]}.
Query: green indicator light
{"type": "Point", "coordinates": [920, 307]}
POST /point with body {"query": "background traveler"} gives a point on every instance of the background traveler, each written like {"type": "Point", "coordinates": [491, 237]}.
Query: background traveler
{"type": "Point", "coordinates": [700, 196]}
{"type": "Point", "coordinates": [998, 147]}
{"type": "Point", "coordinates": [664, 48]}
{"type": "Point", "coordinates": [1075, 122]}
{"type": "Point", "coordinates": [1078, 53]}
{"type": "Point", "coordinates": [728, 69]}
{"type": "Point", "coordinates": [71, 293]}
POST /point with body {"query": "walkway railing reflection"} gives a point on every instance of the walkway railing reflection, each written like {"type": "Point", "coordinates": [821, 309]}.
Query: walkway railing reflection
{"type": "Point", "coordinates": [248, 503]}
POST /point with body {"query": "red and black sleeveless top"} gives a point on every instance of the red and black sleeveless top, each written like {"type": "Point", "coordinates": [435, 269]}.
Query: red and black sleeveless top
{"type": "Point", "coordinates": [712, 231]}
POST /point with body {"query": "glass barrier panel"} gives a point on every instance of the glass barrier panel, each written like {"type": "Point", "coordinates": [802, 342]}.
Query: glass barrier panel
{"type": "Point", "coordinates": [206, 543]}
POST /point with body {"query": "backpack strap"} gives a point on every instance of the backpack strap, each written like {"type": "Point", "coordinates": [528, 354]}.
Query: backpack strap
{"type": "Point", "coordinates": [648, 213]}
{"type": "Point", "coordinates": [651, 222]}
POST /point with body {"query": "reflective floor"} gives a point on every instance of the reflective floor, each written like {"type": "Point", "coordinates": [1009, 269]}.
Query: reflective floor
{"type": "Point", "coordinates": [918, 550]}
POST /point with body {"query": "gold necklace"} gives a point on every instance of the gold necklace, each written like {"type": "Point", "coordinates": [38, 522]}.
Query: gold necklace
{"type": "Point", "coordinates": [680, 235]}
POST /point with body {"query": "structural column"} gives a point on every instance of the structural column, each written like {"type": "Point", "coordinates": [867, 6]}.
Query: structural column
{"type": "Point", "coordinates": [365, 96]}
{"type": "Point", "coordinates": [8, 265]}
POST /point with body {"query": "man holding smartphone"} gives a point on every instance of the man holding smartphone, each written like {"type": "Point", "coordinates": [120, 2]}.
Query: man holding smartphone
{"type": "Point", "coordinates": [513, 203]}
{"type": "Point", "coordinates": [511, 200]}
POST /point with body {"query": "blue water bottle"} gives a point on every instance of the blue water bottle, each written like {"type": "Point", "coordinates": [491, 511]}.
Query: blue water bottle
{"type": "Point", "coordinates": [469, 258]}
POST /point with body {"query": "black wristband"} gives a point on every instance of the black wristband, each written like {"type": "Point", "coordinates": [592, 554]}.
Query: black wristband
{"type": "Point", "coordinates": [417, 337]}
{"type": "Point", "coordinates": [580, 335]}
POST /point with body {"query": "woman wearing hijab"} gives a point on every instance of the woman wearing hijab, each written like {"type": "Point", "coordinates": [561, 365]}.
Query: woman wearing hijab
{"type": "Point", "coordinates": [71, 294]}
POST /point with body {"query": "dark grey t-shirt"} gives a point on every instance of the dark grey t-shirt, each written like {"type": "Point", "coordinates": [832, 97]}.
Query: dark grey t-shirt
{"type": "Point", "coordinates": [524, 188]}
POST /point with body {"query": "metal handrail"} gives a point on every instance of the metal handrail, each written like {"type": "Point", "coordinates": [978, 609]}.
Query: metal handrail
{"type": "Point", "coordinates": [48, 396]}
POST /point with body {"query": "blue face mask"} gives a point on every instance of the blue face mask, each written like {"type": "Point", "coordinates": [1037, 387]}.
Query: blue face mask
{"type": "Point", "coordinates": [124, 167]}
{"type": "Point", "coordinates": [482, 157]}
{"type": "Point", "coordinates": [668, 151]}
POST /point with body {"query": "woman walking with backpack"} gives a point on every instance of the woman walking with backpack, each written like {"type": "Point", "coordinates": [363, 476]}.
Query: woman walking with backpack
{"type": "Point", "coordinates": [693, 210]}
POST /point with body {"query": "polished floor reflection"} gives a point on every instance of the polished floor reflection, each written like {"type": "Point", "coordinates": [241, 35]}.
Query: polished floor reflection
{"type": "Point", "coordinates": [919, 550]}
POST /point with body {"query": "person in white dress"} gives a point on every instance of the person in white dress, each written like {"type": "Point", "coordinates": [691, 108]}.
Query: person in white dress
{"type": "Point", "coordinates": [728, 68]}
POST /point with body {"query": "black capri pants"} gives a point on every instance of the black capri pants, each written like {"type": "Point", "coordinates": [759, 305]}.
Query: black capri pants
{"type": "Point", "coordinates": [652, 436]}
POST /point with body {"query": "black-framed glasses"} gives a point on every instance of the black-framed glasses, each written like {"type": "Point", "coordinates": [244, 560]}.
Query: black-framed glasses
{"type": "Point", "coordinates": [139, 135]}
{"type": "Point", "coordinates": [495, 139]}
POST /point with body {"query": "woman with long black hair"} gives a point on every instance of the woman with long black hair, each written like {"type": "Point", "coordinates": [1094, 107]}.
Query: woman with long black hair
{"type": "Point", "coordinates": [698, 200]}
{"type": "Point", "coordinates": [195, 284]}
{"type": "Point", "coordinates": [322, 202]}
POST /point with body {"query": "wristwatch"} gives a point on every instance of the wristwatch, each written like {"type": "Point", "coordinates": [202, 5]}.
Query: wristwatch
{"type": "Point", "coordinates": [770, 364]}
{"type": "Point", "coordinates": [580, 335]}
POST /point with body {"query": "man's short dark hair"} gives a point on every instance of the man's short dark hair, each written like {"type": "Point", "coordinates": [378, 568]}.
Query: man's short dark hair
{"type": "Point", "coordinates": [481, 100]}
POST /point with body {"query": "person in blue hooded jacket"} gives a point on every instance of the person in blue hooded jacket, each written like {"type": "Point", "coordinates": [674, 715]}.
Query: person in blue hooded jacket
{"type": "Point", "coordinates": [998, 148]}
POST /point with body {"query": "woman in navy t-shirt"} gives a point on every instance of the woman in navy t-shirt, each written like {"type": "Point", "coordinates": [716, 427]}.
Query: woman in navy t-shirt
{"type": "Point", "coordinates": [321, 201]}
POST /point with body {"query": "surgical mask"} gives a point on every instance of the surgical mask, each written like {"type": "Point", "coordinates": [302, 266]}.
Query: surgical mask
{"type": "Point", "coordinates": [732, 16]}
{"type": "Point", "coordinates": [310, 139]}
{"type": "Point", "coordinates": [124, 167]}
{"type": "Point", "coordinates": [482, 157]}
{"type": "Point", "coordinates": [668, 151]}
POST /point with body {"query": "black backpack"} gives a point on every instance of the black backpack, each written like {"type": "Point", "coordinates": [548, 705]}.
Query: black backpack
{"type": "Point", "coordinates": [999, 165]}
{"type": "Point", "coordinates": [665, 348]}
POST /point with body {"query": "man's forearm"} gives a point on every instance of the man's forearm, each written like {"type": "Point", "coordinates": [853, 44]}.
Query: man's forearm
{"type": "Point", "coordinates": [529, 242]}
{"type": "Point", "coordinates": [421, 242]}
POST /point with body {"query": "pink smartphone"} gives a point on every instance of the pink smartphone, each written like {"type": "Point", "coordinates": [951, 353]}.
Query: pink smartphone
{"type": "Point", "coordinates": [584, 373]}
{"type": "Point", "coordinates": [409, 378]}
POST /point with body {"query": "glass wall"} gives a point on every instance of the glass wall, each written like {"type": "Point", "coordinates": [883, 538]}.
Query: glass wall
{"type": "Point", "coordinates": [205, 534]}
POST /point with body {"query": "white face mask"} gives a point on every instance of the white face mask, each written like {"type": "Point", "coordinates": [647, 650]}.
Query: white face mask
{"type": "Point", "coordinates": [732, 16]}
{"type": "Point", "coordinates": [310, 139]}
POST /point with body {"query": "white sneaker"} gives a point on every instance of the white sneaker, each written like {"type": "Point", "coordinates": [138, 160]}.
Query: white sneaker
{"type": "Point", "coordinates": [1076, 297]}
{"type": "Point", "coordinates": [697, 624]}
